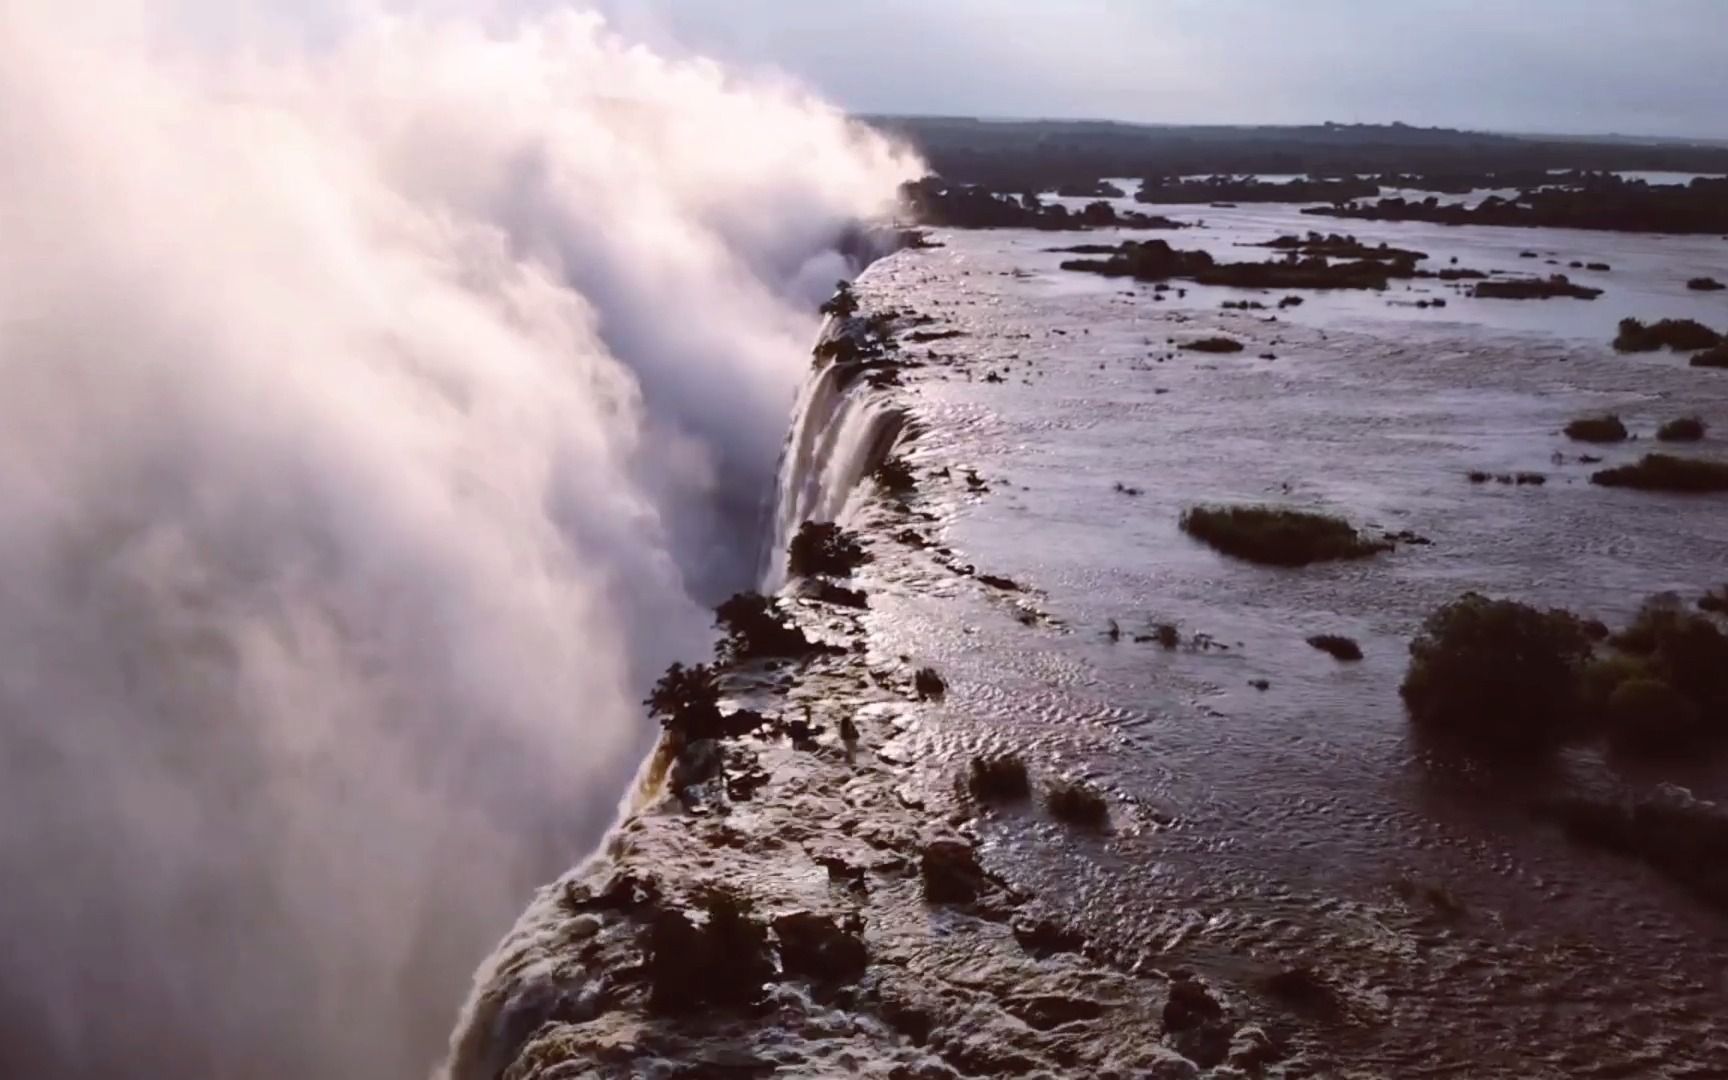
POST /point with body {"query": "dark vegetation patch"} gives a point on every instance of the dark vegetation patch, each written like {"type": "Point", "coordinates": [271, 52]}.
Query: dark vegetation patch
{"type": "Point", "coordinates": [1665, 472]}
{"type": "Point", "coordinates": [1712, 358]}
{"type": "Point", "coordinates": [1213, 345]}
{"type": "Point", "coordinates": [1337, 646]}
{"type": "Point", "coordinates": [1559, 285]}
{"type": "Point", "coordinates": [894, 476]}
{"type": "Point", "coordinates": [936, 202]}
{"type": "Point", "coordinates": [686, 701]}
{"type": "Point", "coordinates": [998, 779]}
{"type": "Point", "coordinates": [928, 685]}
{"type": "Point", "coordinates": [1704, 284]}
{"type": "Point", "coordinates": [1685, 429]}
{"type": "Point", "coordinates": [1496, 675]}
{"type": "Point", "coordinates": [1341, 246]}
{"type": "Point", "coordinates": [1597, 429]}
{"type": "Point", "coordinates": [1247, 189]}
{"type": "Point", "coordinates": [1681, 335]}
{"type": "Point", "coordinates": [754, 627]}
{"type": "Point", "coordinates": [843, 304]}
{"type": "Point", "coordinates": [1077, 803]}
{"type": "Point", "coordinates": [1157, 261]}
{"type": "Point", "coordinates": [823, 547]}
{"type": "Point", "coordinates": [1278, 536]}
{"type": "Point", "coordinates": [1580, 201]}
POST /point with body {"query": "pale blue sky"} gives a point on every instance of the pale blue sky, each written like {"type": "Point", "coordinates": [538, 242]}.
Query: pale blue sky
{"type": "Point", "coordinates": [1597, 66]}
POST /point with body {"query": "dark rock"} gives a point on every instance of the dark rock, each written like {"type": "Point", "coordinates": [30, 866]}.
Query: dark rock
{"type": "Point", "coordinates": [817, 947]}
{"type": "Point", "coordinates": [1686, 429]}
{"type": "Point", "coordinates": [950, 871]}
{"type": "Point", "coordinates": [1704, 284]}
{"type": "Point", "coordinates": [1681, 335]}
{"type": "Point", "coordinates": [1077, 803]}
{"type": "Point", "coordinates": [718, 958]}
{"type": "Point", "coordinates": [1337, 646]}
{"type": "Point", "coordinates": [928, 685]}
{"type": "Point", "coordinates": [1302, 989]}
{"type": "Point", "coordinates": [1046, 1011]}
{"type": "Point", "coordinates": [1045, 937]}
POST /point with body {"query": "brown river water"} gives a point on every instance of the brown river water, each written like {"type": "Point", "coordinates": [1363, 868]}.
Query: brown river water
{"type": "Point", "coordinates": [1299, 824]}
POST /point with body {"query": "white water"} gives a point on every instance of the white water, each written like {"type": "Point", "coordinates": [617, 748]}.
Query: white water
{"type": "Point", "coordinates": [382, 400]}
{"type": "Point", "coordinates": [839, 432]}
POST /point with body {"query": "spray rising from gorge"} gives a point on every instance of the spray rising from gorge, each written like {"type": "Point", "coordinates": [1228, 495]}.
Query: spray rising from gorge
{"type": "Point", "coordinates": [380, 414]}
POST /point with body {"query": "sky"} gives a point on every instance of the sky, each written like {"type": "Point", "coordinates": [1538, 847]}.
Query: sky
{"type": "Point", "coordinates": [1636, 67]}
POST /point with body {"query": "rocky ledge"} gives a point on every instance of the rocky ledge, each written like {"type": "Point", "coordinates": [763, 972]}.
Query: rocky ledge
{"type": "Point", "coordinates": [788, 897]}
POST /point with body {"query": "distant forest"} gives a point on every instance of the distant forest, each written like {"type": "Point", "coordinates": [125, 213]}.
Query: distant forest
{"type": "Point", "coordinates": [1043, 154]}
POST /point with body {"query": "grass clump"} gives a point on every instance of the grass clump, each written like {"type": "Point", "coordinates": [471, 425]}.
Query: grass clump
{"type": "Point", "coordinates": [1665, 472]}
{"type": "Point", "coordinates": [822, 547]}
{"type": "Point", "coordinates": [1214, 345]}
{"type": "Point", "coordinates": [1496, 675]}
{"type": "Point", "coordinates": [928, 684]}
{"type": "Point", "coordinates": [1337, 646]}
{"type": "Point", "coordinates": [1077, 803]}
{"type": "Point", "coordinates": [1277, 536]}
{"type": "Point", "coordinates": [1684, 335]}
{"type": "Point", "coordinates": [998, 779]}
{"type": "Point", "coordinates": [1597, 429]}
{"type": "Point", "coordinates": [1685, 429]}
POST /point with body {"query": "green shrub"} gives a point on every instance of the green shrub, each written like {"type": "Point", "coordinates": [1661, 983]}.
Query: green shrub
{"type": "Point", "coordinates": [686, 701]}
{"type": "Point", "coordinates": [1686, 650]}
{"type": "Point", "coordinates": [1496, 675]}
{"type": "Point", "coordinates": [822, 547]}
{"type": "Point", "coordinates": [1665, 472]}
{"type": "Point", "coordinates": [1277, 536]}
{"type": "Point", "coordinates": [1597, 429]}
{"type": "Point", "coordinates": [755, 628]}
{"type": "Point", "coordinates": [843, 304]}
{"type": "Point", "coordinates": [1648, 716]}
{"type": "Point", "coordinates": [998, 779]}
{"type": "Point", "coordinates": [1685, 429]}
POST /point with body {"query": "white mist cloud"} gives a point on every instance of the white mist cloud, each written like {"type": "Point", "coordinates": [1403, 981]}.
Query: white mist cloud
{"type": "Point", "coordinates": [380, 402]}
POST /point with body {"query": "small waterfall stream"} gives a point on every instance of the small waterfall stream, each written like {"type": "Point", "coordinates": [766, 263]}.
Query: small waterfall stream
{"type": "Point", "coordinates": [841, 430]}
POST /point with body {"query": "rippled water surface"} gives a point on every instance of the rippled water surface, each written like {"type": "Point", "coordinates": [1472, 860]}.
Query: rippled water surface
{"type": "Point", "coordinates": [1298, 823]}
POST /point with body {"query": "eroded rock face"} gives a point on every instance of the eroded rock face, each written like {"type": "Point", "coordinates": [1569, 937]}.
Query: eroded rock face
{"type": "Point", "coordinates": [820, 947]}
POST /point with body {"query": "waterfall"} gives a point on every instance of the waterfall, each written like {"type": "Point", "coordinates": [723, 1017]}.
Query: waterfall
{"type": "Point", "coordinates": [842, 428]}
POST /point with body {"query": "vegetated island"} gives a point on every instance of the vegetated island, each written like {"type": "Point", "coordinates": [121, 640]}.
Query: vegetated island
{"type": "Point", "coordinates": [1605, 202]}
{"type": "Point", "coordinates": [939, 203]}
{"type": "Point", "coordinates": [1499, 679]}
{"type": "Point", "coordinates": [1044, 155]}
